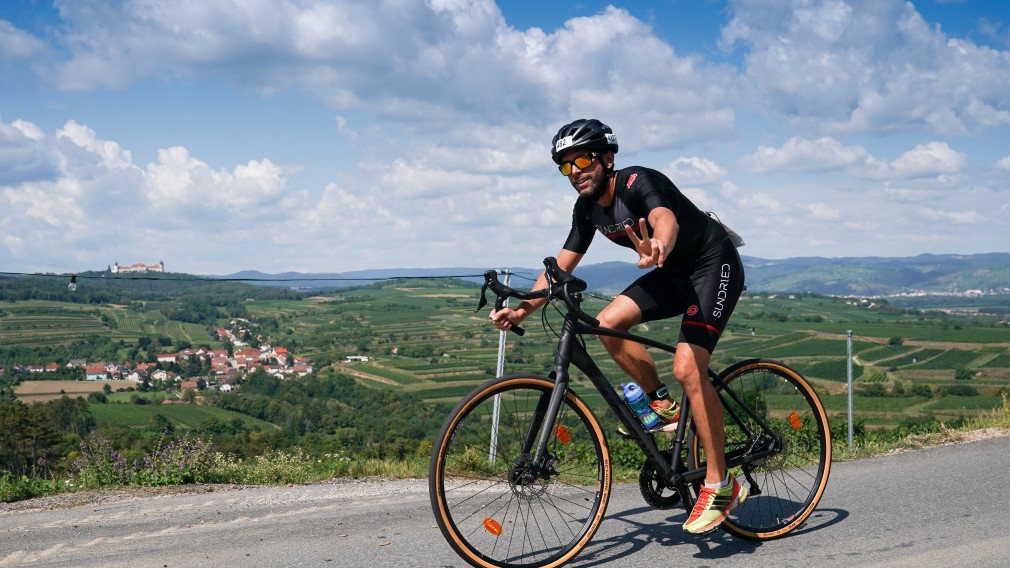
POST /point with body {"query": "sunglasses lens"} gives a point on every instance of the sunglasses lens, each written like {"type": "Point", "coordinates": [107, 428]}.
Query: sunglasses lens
{"type": "Point", "coordinates": [582, 162]}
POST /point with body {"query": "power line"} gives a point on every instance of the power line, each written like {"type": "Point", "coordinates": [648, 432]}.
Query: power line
{"type": "Point", "coordinates": [215, 279]}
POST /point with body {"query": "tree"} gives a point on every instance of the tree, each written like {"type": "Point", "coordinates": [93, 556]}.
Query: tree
{"type": "Point", "coordinates": [29, 438]}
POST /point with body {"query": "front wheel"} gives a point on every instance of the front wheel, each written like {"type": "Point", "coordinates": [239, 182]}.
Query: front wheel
{"type": "Point", "coordinates": [497, 508]}
{"type": "Point", "coordinates": [787, 482]}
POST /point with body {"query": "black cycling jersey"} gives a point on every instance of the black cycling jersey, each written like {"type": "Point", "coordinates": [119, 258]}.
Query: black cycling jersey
{"type": "Point", "coordinates": [637, 191]}
{"type": "Point", "coordinates": [702, 277]}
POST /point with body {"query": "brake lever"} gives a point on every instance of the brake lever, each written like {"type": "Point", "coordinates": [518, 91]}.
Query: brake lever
{"type": "Point", "coordinates": [483, 298]}
{"type": "Point", "coordinates": [499, 303]}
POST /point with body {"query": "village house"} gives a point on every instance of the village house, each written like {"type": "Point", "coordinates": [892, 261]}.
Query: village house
{"type": "Point", "coordinates": [220, 365]}
{"type": "Point", "coordinates": [96, 372]}
{"type": "Point", "coordinates": [163, 375]}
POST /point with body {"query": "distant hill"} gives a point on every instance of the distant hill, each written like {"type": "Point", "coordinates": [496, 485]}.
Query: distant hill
{"type": "Point", "coordinates": [881, 276]}
{"type": "Point", "coordinates": [866, 276]}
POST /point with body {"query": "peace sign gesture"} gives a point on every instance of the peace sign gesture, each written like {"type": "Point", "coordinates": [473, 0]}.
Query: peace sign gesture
{"type": "Point", "coordinates": [651, 251]}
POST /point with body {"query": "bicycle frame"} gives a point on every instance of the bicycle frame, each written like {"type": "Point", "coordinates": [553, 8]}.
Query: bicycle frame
{"type": "Point", "coordinates": [672, 471]}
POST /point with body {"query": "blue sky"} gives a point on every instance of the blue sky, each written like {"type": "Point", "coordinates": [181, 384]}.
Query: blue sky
{"type": "Point", "coordinates": [322, 136]}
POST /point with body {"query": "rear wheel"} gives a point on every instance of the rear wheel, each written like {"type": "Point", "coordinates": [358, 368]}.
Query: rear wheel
{"type": "Point", "coordinates": [493, 505]}
{"type": "Point", "coordinates": [786, 484]}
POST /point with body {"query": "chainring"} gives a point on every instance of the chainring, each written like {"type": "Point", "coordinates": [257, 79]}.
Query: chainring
{"type": "Point", "coordinates": [654, 489]}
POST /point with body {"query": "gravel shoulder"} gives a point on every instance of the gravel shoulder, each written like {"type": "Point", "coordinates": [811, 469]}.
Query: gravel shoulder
{"type": "Point", "coordinates": [348, 487]}
{"type": "Point", "coordinates": [362, 486]}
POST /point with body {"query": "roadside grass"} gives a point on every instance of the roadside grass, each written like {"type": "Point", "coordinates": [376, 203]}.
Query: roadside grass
{"type": "Point", "coordinates": [189, 460]}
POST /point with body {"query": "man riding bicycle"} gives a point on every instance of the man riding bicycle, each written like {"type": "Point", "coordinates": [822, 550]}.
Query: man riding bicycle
{"type": "Point", "coordinates": [696, 272]}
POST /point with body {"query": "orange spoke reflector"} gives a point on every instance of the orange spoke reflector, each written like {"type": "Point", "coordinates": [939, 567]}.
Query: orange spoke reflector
{"type": "Point", "coordinates": [564, 436]}
{"type": "Point", "coordinates": [492, 526]}
{"type": "Point", "coordinates": [794, 419]}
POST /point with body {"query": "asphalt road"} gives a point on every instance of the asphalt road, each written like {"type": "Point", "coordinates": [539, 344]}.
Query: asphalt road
{"type": "Point", "coordinates": [938, 507]}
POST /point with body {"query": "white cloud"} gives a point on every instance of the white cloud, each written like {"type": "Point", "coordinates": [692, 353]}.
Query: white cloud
{"type": "Point", "coordinates": [800, 154]}
{"type": "Point", "coordinates": [930, 160]}
{"type": "Point", "coordinates": [18, 44]}
{"type": "Point", "coordinates": [435, 136]}
{"type": "Point", "coordinates": [906, 194]}
{"type": "Point", "coordinates": [23, 154]}
{"type": "Point", "coordinates": [866, 66]}
{"type": "Point", "coordinates": [416, 64]}
{"type": "Point", "coordinates": [695, 171]}
{"type": "Point", "coordinates": [957, 217]}
{"type": "Point", "coordinates": [92, 196]}
{"type": "Point", "coordinates": [762, 203]}
{"type": "Point", "coordinates": [823, 212]}
{"type": "Point", "coordinates": [180, 181]}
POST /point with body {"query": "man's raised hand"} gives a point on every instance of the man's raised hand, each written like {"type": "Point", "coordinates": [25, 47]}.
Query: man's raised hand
{"type": "Point", "coordinates": [651, 251]}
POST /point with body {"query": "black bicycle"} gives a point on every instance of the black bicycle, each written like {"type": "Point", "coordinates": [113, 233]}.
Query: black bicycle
{"type": "Point", "coordinates": [521, 472]}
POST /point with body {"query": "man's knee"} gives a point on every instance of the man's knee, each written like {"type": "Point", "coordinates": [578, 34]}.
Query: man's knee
{"type": "Point", "coordinates": [691, 367]}
{"type": "Point", "coordinates": [687, 375]}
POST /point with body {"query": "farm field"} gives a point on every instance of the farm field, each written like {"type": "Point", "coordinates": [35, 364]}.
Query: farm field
{"type": "Point", "coordinates": [40, 391]}
{"type": "Point", "coordinates": [428, 343]}
{"type": "Point", "coordinates": [422, 338]}
{"type": "Point", "coordinates": [181, 415]}
{"type": "Point", "coordinates": [61, 326]}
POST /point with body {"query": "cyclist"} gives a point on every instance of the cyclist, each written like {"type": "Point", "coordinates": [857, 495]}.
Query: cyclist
{"type": "Point", "coordinates": [696, 272]}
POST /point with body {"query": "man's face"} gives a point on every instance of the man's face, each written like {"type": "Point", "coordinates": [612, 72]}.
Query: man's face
{"type": "Point", "coordinates": [590, 182]}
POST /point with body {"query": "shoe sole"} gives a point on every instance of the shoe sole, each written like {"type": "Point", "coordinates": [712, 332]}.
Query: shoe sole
{"type": "Point", "coordinates": [671, 427]}
{"type": "Point", "coordinates": [715, 526]}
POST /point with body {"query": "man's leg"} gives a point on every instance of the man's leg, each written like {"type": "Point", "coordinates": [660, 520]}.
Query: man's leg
{"type": "Point", "coordinates": [716, 499]}
{"type": "Point", "coordinates": [690, 367]}
{"type": "Point", "coordinates": [623, 313]}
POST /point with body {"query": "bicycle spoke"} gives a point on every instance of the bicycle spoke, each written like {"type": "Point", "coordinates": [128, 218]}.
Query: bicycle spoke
{"type": "Point", "coordinates": [494, 503]}
{"type": "Point", "coordinates": [788, 483]}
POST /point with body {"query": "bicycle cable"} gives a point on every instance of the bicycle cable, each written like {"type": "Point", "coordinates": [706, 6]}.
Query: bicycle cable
{"type": "Point", "coordinates": [550, 331]}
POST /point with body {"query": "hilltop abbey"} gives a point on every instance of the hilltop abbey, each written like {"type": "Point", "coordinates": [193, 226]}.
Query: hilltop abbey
{"type": "Point", "coordinates": [138, 267]}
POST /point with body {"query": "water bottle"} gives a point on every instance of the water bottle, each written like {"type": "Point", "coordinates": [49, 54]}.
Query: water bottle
{"type": "Point", "coordinates": [638, 402]}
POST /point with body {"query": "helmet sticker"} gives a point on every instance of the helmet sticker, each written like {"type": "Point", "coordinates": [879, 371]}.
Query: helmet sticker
{"type": "Point", "coordinates": [631, 180]}
{"type": "Point", "coordinates": [611, 138]}
{"type": "Point", "coordinates": [563, 143]}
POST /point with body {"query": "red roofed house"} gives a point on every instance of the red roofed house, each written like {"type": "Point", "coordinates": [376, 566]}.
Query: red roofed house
{"type": "Point", "coordinates": [96, 372]}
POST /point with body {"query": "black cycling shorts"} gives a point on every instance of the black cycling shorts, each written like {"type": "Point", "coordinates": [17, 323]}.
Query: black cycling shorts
{"type": "Point", "coordinates": [705, 294]}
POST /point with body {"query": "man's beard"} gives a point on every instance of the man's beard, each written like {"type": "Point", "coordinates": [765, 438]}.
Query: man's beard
{"type": "Point", "coordinates": [598, 189]}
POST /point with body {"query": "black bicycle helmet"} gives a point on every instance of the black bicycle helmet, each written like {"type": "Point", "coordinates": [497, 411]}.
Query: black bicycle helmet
{"type": "Point", "coordinates": [583, 133]}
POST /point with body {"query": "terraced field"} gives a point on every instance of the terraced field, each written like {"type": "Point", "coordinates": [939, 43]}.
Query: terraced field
{"type": "Point", "coordinates": [425, 340]}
